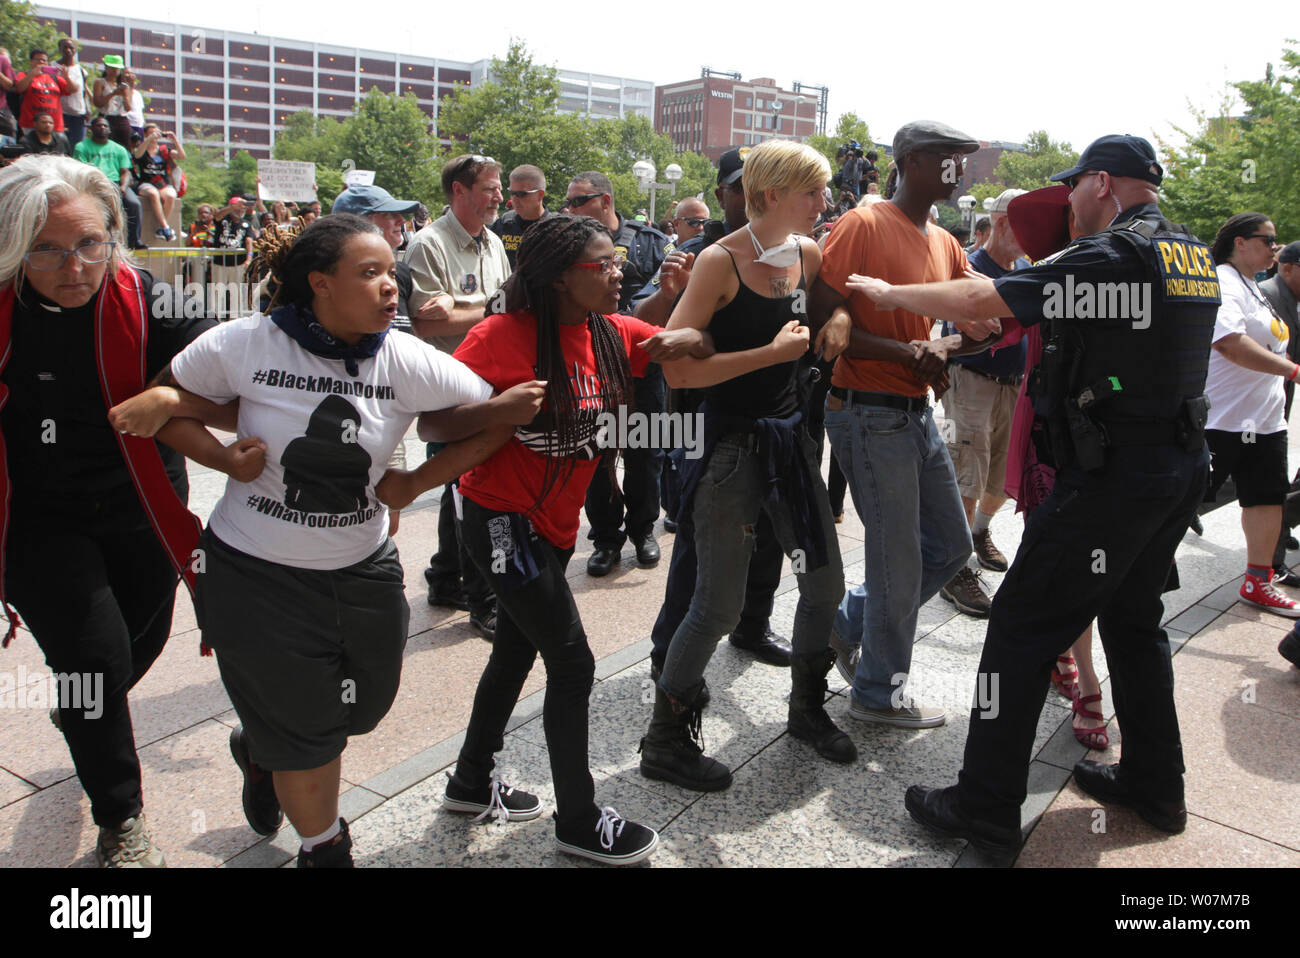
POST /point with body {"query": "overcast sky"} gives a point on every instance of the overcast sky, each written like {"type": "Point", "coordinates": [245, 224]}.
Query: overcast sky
{"type": "Point", "coordinates": [1077, 72]}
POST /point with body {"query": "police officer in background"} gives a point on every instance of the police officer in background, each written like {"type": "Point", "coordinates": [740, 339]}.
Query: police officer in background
{"type": "Point", "coordinates": [527, 206]}
{"type": "Point", "coordinates": [1131, 306]}
{"type": "Point", "coordinates": [644, 248]}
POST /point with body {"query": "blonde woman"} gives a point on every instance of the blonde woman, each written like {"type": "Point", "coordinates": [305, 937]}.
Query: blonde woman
{"type": "Point", "coordinates": [748, 289]}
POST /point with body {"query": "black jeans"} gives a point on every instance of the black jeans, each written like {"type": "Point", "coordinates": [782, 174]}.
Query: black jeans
{"type": "Point", "coordinates": [641, 471]}
{"type": "Point", "coordinates": [450, 566]}
{"type": "Point", "coordinates": [537, 616]}
{"type": "Point", "coordinates": [97, 591]}
{"type": "Point", "coordinates": [1100, 546]}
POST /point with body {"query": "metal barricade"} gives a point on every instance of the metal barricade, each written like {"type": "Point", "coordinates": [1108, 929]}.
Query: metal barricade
{"type": "Point", "coordinates": [198, 284]}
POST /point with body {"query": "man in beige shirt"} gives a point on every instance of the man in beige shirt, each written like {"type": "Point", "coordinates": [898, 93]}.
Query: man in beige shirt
{"type": "Point", "coordinates": [457, 264]}
{"type": "Point", "coordinates": [456, 261]}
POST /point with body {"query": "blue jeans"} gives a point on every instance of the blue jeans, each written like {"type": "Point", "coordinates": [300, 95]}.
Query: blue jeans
{"type": "Point", "coordinates": [917, 539]}
{"type": "Point", "coordinates": [728, 501]}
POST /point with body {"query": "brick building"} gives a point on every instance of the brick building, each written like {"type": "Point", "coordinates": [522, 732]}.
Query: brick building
{"type": "Point", "coordinates": [712, 114]}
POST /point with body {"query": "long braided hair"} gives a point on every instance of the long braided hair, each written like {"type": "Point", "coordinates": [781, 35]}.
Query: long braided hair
{"type": "Point", "coordinates": [549, 248]}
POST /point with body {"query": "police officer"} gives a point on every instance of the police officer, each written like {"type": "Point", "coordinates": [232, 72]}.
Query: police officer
{"type": "Point", "coordinates": [527, 206]}
{"type": "Point", "coordinates": [654, 304]}
{"type": "Point", "coordinates": [644, 248]}
{"type": "Point", "coordinates": [1131, 308]}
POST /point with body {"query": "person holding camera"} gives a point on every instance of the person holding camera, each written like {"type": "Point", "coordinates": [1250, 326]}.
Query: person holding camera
{"type": "Point", "coordinates": [113, 95]}
{"type": "Point", "coordinates": [41, 87]}
{"type": "Point", "coordinates": [155, 156]}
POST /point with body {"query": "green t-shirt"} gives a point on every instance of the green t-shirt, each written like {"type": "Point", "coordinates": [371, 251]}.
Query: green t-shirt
{"type": "Point", "coordinates": [111, 158]}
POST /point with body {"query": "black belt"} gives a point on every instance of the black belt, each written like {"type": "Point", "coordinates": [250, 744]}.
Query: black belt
{"type": "Point", "coordinates": [1000, 380]}
{"type": "Point", "coordinates": [856, 397]}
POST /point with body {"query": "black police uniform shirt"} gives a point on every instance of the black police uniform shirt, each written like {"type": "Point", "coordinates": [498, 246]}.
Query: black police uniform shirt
{"type": "Point", "coordinates": [53, 379]}
{"type": "Point", "coordinates": [511, 228]}
{"type": "Point", "coordinates": [713, 231]}
{"type": "Point", "coordinates": [644, 248]}
{"type": "Point", "coordinates": [1070, 287]}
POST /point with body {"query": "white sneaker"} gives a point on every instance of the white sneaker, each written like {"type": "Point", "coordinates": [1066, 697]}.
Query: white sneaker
{"type": "Point", "coordinates": [909, 716]}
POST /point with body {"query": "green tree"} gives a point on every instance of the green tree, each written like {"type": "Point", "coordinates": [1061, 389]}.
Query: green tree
{"type": "Point", "coordinates": [1030, 170]}
{"type": "Point", "coordinates": [390, 135]}
{"type": "Point", "coordinates": [309, 138]}
{"type": "Point", "coordinates": [1240, 164]}
{"type": "Point", "coordinates": [849, 127]}
{"type": "Point", "coordinates": [21, 32]}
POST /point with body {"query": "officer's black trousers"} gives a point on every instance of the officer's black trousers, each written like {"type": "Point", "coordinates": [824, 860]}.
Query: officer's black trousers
{"type": "Point", "coordinates": [1099, 547]}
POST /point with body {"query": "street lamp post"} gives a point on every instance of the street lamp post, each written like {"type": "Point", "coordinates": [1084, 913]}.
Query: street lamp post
{"type": "Point", "coordinates": [967, 205]}
{"type": "Point", "coordinates": [645, 171]}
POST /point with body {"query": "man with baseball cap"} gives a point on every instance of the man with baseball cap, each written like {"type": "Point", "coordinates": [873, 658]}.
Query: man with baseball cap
{"type": "Point", "coordinates": [389, 214]}
{"type": "Point", "coordinates": [881, 425]}
{"type": "Point", "coordinates": [1130, 307]}
{"type": "Point", "coordinates": [978, 406]}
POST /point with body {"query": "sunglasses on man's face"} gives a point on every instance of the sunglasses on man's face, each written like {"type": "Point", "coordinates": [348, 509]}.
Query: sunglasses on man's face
{"type": "Point", "coordinates": [520, 194]}
{"type": "Point", "coordinates": [573, 202]}
{"type": "Point", "coordinates": [696, 221]}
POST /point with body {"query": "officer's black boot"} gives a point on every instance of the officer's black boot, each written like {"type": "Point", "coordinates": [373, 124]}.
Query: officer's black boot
{"type": "Point", "coordinates": [671, 750]}
{"type": "Point", "coordinates": [808, 719]}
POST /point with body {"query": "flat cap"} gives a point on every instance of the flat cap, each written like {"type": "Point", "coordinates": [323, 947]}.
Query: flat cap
{"type": "Point", "coordinates": [931, 135]}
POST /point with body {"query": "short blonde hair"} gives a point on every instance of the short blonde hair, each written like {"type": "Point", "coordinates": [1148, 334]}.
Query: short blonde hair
{"type": "Point", "coordinates": [31, 185]}
{"type": "Point", "coordinates": [781, 165]}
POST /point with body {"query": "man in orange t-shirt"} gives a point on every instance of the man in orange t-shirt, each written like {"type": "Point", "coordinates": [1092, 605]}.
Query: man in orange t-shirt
{"type": "Point", "coordinates": [880, 424]}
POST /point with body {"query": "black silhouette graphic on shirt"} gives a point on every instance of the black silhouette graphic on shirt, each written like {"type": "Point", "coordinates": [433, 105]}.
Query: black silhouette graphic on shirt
{"type": "Point", "coordinates": [327, 470]}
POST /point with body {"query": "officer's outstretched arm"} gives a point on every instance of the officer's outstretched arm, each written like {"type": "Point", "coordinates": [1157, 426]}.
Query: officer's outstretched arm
{"type": "Point", "coordinates": [959, 301]}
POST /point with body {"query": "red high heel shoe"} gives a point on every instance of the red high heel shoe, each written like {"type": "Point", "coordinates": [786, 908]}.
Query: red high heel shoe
{"type": "Point", "coordinates": [1065, 683]}
{"type": "Point", "coordinates": [1091, 737]}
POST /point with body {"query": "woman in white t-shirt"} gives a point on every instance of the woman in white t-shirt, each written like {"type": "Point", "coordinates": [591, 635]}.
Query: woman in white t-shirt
{"type": "Point", "coordinates": [301, 593]}
{"type": "Point", "coordinates": [1246, 431]}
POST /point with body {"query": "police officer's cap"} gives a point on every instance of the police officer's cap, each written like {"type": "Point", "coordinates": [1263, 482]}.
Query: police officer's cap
{"type": "Point", "coordinates": [731, 164]}
{"type": "Point", "coordinates": [1290, 253]}
{"type": "Point", "coordinates": [932, 135]}
{"type": "Point", "coordinates": [1118, 155]}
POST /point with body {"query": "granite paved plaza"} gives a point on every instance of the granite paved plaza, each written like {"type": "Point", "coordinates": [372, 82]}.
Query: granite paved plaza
{"type": "Point", "coordinates": [1238, 700]}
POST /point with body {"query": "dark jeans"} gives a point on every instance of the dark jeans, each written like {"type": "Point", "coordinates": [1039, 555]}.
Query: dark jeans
{"type": "Point", "coordinates": [760, 584]}
{"type": "Point", "coordinates": [131, 203]}
{"type": "Point", "coordinates": [537, 616]}
{"type": "Point", "coordinates": [98, 595]}
{"type": "Point", "coordinates": [74, 127]}
{"type": "Point", "coordinates": [610, 528]}
{"type": "Point", "coordinates": [450, 566]}
{"type": "Point", "coordinates": [1100, 546]}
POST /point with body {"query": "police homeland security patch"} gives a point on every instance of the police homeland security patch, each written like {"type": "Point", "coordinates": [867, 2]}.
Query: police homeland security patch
{"type": "Point", "coordinates": [1186, 271]}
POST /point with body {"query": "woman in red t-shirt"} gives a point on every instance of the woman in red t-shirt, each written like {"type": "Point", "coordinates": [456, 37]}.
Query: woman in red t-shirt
{"type": "Point", "coordinates": [520, 516]}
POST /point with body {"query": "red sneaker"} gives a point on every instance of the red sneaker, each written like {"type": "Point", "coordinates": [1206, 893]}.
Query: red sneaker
{"type": "Point", "coordinates": [1263, 594]}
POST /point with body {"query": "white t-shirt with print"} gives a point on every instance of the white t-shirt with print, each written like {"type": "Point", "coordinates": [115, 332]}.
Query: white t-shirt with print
{"type": "Point", "coordinates": [1242, 400]}
{"type": "Point", "coordinates": [329, 435]}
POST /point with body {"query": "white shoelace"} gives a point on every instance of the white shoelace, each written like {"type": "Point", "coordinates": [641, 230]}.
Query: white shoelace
{"type": "Point", "coordinates": [1277, 595]}
{"type": "Point", "coordinates": [610, 826]}
{"type": "Point", "coordinates": [496, 807]}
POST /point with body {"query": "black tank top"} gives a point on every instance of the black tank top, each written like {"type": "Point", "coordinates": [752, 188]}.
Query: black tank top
{"type": "Point", "coordinates": [747, 322]}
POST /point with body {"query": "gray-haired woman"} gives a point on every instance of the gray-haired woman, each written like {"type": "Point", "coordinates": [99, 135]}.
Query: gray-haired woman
{"type": "Point", "coordinates": [93, 528]}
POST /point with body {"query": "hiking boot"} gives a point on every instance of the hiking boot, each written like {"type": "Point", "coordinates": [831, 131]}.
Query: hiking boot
{"type": "Point", "coordinates": [966, 593]}
{"type": "Point", "coordinates": [335, 853]}
{"type": "Point", "coordinates": [986, 553]}
{"type": "Point", "coordinates": [495, 800]}
{"type": "Point", "coordinates": [672, 750]}
{"type": "Point", "coordinates": [614, 840]}
{"type": "Point", "coordinates": [808, 720]}
{"type": "Point", "coordinates": [846, 656]}
{"type": "Point", "coordinates": [484, 621]}
{"type": "Point", "coordinates": [261, 806]}
{"type": "Point", "coordinates": [1264, 595]}
{"type": "Point", "coordinates": [447, 594]}
{"type": "Point", "coordinates": [129, 845]}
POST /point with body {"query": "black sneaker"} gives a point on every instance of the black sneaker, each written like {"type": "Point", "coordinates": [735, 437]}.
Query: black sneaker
{"type": "Point", "coordinates": [335, 853]}
{"type": "Point", "coordinates": [1289, 648]}
{"type": "Point", "coordinates": [1285, 575]}
{"type": "Point", "coordinates": [446, 594]}
{"type": "Point", "coordinates": [496, 800]}
{"type": "Point", "coordinates": [261, 806]}
{"type": "Point", "coordinates": [484, 622]}
{"type": "Point", "coordinates": [613, 840]}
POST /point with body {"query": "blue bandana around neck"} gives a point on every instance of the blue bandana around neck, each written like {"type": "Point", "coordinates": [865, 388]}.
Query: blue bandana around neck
{"type": "Point", "coordinates": [301, 325]}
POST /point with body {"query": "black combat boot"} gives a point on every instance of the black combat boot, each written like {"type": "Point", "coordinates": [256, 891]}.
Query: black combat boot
{"type": "Point", "coordinates": [808, 719]}
{"type": "Point", "coordinates": [671, 750]}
